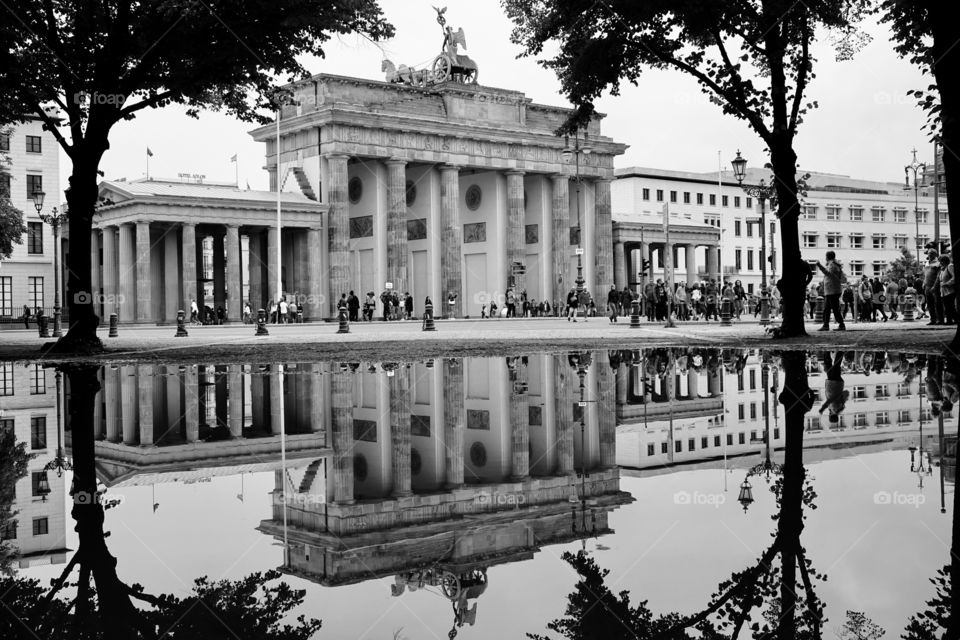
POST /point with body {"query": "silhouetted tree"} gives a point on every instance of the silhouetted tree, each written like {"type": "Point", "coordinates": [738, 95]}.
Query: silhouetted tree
{"type": "Point", "coordinates": [13, 467]}
{"type": "Point", "coordinates": [103, 62]}
{"type": "Point", "coordinates": [12, 226]}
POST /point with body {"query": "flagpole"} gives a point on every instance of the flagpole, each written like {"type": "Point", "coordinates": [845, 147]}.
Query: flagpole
{"type": "Point", "coordinates": [236, 170]}
{"type": "Point", "coordinates": [148, 163]}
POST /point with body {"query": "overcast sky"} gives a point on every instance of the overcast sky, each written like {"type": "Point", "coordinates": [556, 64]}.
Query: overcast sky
{"type": "Point", "coordinates": [865, 126]}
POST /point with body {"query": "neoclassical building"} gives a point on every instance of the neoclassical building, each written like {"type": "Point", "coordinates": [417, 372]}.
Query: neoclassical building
{"type": "Point", "coordinates": [444, 189]}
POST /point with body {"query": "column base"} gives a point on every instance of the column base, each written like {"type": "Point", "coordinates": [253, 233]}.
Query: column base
{"type": "Point", "coordinates": [401, 494]}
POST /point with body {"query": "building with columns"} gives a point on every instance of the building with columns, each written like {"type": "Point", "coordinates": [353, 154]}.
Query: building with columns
{"type": "Point", "coordinates": [148, 243]}
{"type": "Point", "coordinates": [444, 190]}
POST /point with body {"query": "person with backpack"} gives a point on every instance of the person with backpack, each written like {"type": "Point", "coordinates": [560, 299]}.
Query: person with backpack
{"type": "Point", "coordinates": [948, 291]}
{"type": "Point", "coordinates": [832, 287]}
{"type": "Point", "coordinates": [931, 288]}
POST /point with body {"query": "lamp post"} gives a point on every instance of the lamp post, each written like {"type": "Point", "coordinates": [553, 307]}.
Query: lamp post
{"type": "Point", "coordinates": [583, 365]}
{"type": "Point", "coordinates": [575, 153]}
{"type": "Point", "coordinates": [54, 219]}
{"type": "Point", "coordinates": [762, 192]}
{"type": "Point", "coordinates": [60, 463]}
{"type": "Point", "coordinates": [917, 168]}
{"type": "Point", "coordinates": [765, 467]}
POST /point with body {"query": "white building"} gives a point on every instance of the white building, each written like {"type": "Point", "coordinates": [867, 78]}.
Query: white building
{"type": "Point", "coordinates": [26, 278]}
{"type": "Point", "coordinates": [865, 222]}
{"type": "Point", "coordinates": [28, 406]}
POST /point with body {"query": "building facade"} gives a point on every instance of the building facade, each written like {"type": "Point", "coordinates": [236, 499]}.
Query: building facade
{"type": "Point", "coordinates": [453, 191]}
{"type": "Point", "coordinates": [26, 278]}
{"type": "Point", "coordinates": [867, 223]}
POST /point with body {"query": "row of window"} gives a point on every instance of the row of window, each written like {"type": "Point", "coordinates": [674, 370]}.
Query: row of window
{"type": "Point", "coordinates": [34, 296]}
{"type": "Point", "coordinates": [877, 214]}
{"type": "Point", "coordinates": [705, 442]}
{"type": "Point", "coordinates": [38, 429]}
{"type": "Point", "coordinates": [34, 184]}
{"type": "Point", "coordinates": [856, 241]}
{"type": "Point", "coordinates": [34, 143]}
{"type": "Point", "coordinates": [38, 379]}
{"type": "Point", "coordinates": [880, 419]}
{"type": "Point", "coordinates": [712, 198]}
{"type": "Point", "coordinates": [41, 526]}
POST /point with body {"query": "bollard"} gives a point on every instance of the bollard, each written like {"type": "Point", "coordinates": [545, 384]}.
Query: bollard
{"type": "Point", "coordinates": [909, 300]}
{"type": "Point", "coordinates": [42, 326]}
{"type": "Point", "coordinates": [113, 326]}
{"type": "Point", "coordinates": [181, 329]}
{"type": "Point", "coordinates": [344, 325]}
{"type": "Point", "coordinates": [261, 323]}
{"type": "Point", "coordinates": [726, 312]}
{"type": "Point", "coordinates": [764, 306]}
{"type": "Point", "coordinates": [428, 324]}
{"type": "Point", "coordinates": [818, 310]}
{"type": "Point", "coordinates": [635, 313]}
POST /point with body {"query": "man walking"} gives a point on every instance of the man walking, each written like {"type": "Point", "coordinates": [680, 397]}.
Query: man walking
{"type": "Point", "coordinates": [931, 288]}
{"type": "Point", "coordinates": [832, 288]}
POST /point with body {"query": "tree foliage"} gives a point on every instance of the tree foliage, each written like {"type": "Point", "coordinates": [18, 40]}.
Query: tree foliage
{"type": "Point", "coordinates": [13, 467]}
{"type": "Point", "coordinates": [104, 62]}
{"type": "Point", "coordinates": [751, 57]}
{"type": "Point", "coordinates": [12, 226]}
{"type": "Point", "coordinates": [905, 265]}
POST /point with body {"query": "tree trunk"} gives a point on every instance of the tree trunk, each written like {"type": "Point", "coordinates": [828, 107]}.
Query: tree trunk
{"type": "Point", "coordinates": [797, 401]}
{"type": "Point", "coordinates": [793, 284]}
{"type": "Point", "coordinates": [946, 70]}
{"type": "Point", "coordinates": [82, 201]}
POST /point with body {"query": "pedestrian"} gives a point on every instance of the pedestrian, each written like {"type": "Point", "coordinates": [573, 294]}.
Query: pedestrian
{"type": "Point", "coordinates": [493, 309]}
{"type": "Point", "coordinates": [246, 313]}
{"type": "Point", "coordinates": [739, 295]}
{"type": "Point", "coordinates": [572, 303]}
{"type": "Point", "coordinates": [613, 303]}
{"type": "Point", "coordinates": [711, 300]}
{"type": "Point", "coordinates": [931, 290]}
{"type": "Point", "coordinates": [273, 312]}
{"type": "Point", "coordinates": [427, 310]}
{"type": "Point", "coordinates": [221, 316]}
{"type": "Point", "coordinates": [26, 316]}
{"type": "Point", "coordinates": [511, 304]}
{"type": "Point", "coordinates": [483, 311]}
{"type": "Point", "coordinates": [892, 291]}
{"type": "Point", "coordinates": [847, 298]}
{"type": "Point", "coordinates": [282, 311]}
{"type": "Point", "coordinates": [194, 312]}
{"type": "Point", "coordinates": [343, 307]}
{"type": "Point", "coordinates": [353, 306]}
{"type": "Point", "coordinates": [833, 280]}
{"type": "Point", "coordinates": [865, 293]}
{"type": "Point", "coordinates": [680, 302]}
{"type": "Point", "coordinates": [660, 300]}
{"type": "Point", "coordinates": [369, 306]}
{"type": "Point", "coordinates": [408, 305]}
{"type": "Point", "coordinates": [948, 291]}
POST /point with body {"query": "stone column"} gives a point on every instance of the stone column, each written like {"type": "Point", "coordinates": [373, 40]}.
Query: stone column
{"type": "Point", "coordinates": [713, 383]}
{"type": "Point", "coordinates": [666, 257]}
{"type": "Point", "coordinates": [604, 242]}
{"type": "Point", "coordinates": [607, 410]}
{"type": "Point", "coordinates": [276, 400]}
{"type": "Point", "coordinates": [454, 421]}
{"type": "Point", "coordinates": [127, 275]}
{"type": "Point", "coordinates": [188, 255]}
{"type": "Point", "coordinates": [173, 418]}
{"type": "Point", "coordinates": [564, 381]}
{"type": "Point", "coordinates": [171, 277]}
{"type": "Point", "coordinates": [713, 262]}
{"type": "Point", "coordinates": [144, 284]}
{"type": "Point", "coordinates": [451, 242]}
{"type": "Point", "coordinates": [111, 403]}
{"type": "Point", "coordinates": [95, 278]}
{"type": "Point", "coordinates": [561, 238]}
{"type": "Point", "coordinates": [519, 430]}
{"type": "Point", "coordinates": [235, 400]}
{"type": "Point", "coordinates": [690, 251]}
{"type": "Point", "coordinates": [257, 401]}
{"type": "Point", "coordinates": [234, 306]}
{"type": "Point", "coordinates": [397, 267]}
{"type": "Point", "coordinates": [98, 427]}
{"type": "Point", "coordinates": [219, 273]}
{"type": "Point", "coordinates": [314, 308]}
{"type": "Point", "coordinates": [623, 384]}
{"type": "Point", "coordinates": [620, 266]}
{"type": "Point", "coordinates": [316, 398]}
{"type": "Point", "coordinates": [273, 294]}
{"type": "Point", "coordinates": [255, 270]}
{"type": "Point", "coordinates": [338, 223]}
{"type": "Point", "coordinates": [110, 290]}
{"type": "Point", "coordinates": [400, 430]}
{"type": "Point", "coordinates": [191, 404]}
{"type": "Point", "coordinates": [693, 384]}
{"type": "Point", "coordinates": [516, 232]}
{"type": "Point", "coordinates": [128, 404]}
{"type": "Point", "coordinates": [644, 255]}
{"type": "Point", "coordinates": [342, 410]}
{"type": "Point", "coordinates": [145, 403]}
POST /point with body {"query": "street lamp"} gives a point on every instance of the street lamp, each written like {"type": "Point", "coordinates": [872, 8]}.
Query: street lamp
{"type": "Point", "coordinates": [918, 169]}
{"type": "Point", "coordinates": [582, 362]}
{"type": "Point", "coordinates": [60, 462]}
{"type": "Point", "coordinates": [765, 467]}
{"type": "Point", "coordinates": [761, 192]}
{"type": "Point", "coordinates": [54, 219]}
{"type": "Point", "coordinates": [575, 153]}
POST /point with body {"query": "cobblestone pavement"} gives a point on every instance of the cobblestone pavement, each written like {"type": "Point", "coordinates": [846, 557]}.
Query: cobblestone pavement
{"type": "Point", "coordinates": [466, 337]}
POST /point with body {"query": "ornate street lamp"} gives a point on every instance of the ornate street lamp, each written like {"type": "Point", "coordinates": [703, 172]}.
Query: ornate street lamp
{"type": "Point", "coordinates": [746, 494]}
{"type": "Point", "coordinates": [54, 219]}
{"type": "Point", "coordinates": [575, 153]}
{"type": "Point", "coordinates": [918, 169]}
{"type": "Point", "coordinates": [762, 192]}
{"type": "Point", "coordinates": [765, 467]}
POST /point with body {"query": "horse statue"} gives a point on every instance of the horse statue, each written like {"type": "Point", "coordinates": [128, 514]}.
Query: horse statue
{"type": "Point", "coordinates": [404, 74]}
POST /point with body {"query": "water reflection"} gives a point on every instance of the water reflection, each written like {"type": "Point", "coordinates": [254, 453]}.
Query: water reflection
{"type": "Point", "coordinates": [432, 476]}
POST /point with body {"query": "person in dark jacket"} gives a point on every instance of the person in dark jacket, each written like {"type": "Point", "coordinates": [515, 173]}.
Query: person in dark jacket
{"type": "Point", "coordinates": [613, 303]}
{"type": "Point", "coordinates": [353, 306]}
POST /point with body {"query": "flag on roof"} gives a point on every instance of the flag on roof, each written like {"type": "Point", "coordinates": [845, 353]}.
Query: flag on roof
{"type": "Point", "coordinates": [149, 153]}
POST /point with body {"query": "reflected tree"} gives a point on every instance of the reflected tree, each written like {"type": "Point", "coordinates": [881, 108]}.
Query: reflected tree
{"type": "Point", "coordinates": [783, 595]}
{"type": "Point", "coordinates": [13, 467]}
{"type": "Point", "coordinates": [104, 606]}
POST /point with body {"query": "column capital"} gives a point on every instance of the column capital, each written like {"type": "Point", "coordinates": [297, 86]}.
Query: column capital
{"type": "Point", "coordinates": [337, 156]}
{"type": "Point", "coordinates": [451, 167]}
{"type": "Point", "coordinates": [395, 161]}
{"type": "Point", "coordinates": [515, 172]}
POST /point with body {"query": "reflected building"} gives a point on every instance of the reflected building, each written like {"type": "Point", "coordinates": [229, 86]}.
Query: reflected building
{"type": "Point", "coordinates": [701, 406]}
{"type": "Point", "coordinates": [28, 408]}
{"type": "Point", "coordinates": [442, 469]}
